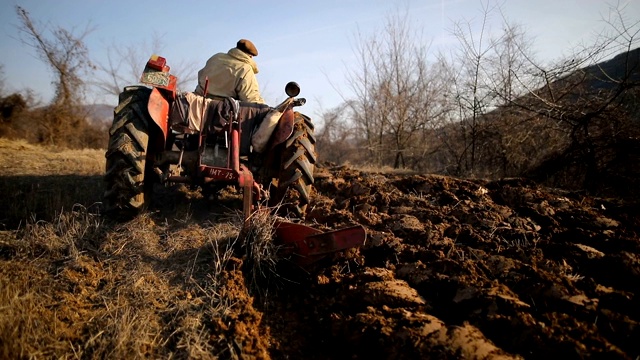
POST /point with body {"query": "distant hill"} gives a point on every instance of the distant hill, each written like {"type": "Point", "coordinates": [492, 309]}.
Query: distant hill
{"type": "Point", "coordinates": [605, 74]}
{"type": "Point", "coordinates": [99, 114]}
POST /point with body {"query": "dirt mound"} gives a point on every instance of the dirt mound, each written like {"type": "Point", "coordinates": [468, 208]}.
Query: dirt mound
{"type": "Point", "coordinates": [451, 269]}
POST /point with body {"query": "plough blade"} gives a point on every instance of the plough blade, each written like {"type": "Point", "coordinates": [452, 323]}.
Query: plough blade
{"type": "Point", "coordinates": [307, 245]}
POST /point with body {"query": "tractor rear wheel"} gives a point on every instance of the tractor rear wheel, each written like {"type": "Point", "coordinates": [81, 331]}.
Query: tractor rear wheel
{"type": "Point", "coordinates": [126, 192]}
{"type": "Point", "coordinates": [295, 180]}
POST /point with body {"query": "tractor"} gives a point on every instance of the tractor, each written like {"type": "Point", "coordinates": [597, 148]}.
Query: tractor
{"type": "Point", "coordinates": [163, 136]}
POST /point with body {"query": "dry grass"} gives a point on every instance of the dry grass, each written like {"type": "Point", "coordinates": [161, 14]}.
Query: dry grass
{"type": "Point", "coordinates": [41, 182]}
{"type": "Point", "coordinates": [74, 285]}
{"type": "Point", "coordinates": [78, 287]}
{"type": "Point", "coordinates": [261, 254]}
{"type": "Point", "coordinates": [19, 158]}
{"type": "Point", "coordinates": [382, 169]}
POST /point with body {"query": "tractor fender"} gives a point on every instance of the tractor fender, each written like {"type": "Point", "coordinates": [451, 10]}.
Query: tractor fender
{"type": "Point", "coordinates": [284, 129]}
{"type": "Point", "coordinates": [158, 108]}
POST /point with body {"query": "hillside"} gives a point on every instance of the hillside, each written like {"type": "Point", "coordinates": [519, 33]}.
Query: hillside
{"type": "Point", "coordinates": [99, 115]}
{"type": "Point", "coordinates": [624, 66]}
{"type": "Point", "coordinates": [452, 268]}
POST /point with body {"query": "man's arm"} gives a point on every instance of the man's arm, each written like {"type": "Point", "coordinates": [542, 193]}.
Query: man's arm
{"type": "Point", "coordinates": [248, 89]}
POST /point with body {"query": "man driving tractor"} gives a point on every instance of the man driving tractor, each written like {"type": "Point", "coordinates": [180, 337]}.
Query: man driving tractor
{"type": "Point", "coordinates": [232, 74]}
{"type": "Point", "coordinates": [161, 136]}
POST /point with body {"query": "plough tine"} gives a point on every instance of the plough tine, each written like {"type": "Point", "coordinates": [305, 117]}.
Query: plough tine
{"type": "Point", "coordinates": [309, 245]}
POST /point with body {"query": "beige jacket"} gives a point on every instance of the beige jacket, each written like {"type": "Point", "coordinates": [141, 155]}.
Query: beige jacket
{"type": "Point", "coordinates": [231, 74]}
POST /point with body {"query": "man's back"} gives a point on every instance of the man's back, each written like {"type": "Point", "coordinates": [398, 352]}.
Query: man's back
{"type": "Point", "coordinates": [231, 74]}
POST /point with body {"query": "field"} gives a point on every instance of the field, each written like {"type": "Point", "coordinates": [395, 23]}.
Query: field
{"type": "Point", "coordinates": [452, 268]}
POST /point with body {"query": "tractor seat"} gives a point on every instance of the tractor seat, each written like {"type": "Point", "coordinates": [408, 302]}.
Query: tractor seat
{"type": "Point", "coordinates": [220, 113]}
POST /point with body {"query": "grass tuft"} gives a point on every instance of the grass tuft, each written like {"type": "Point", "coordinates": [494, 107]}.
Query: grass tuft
{"type": "Point", "coordinates": [260, 252]}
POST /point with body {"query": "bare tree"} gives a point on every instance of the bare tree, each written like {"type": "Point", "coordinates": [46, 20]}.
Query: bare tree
{"type": "Point", "coordinates": [469, 85]}
{"type": "Point", "coordinates": [491, 109]}
{"type": "Point", "coordinates": [67, 56]}
{"type": "Point", "coordinates": [594, 102]}
{"type": "Point", "coordinates": [63, 51]}
{"type": "Point", "coordinates": [509, 139]}
{"type": "Point", "coordinates": [362, 81]}
{"type": "Point", "coordinates": [486, 73]}
{"type": "Point", "coordinates": [336, 138]}
{"type": "Point", "coordinates": [124, 65]}
{"type": "Point", "coordinates": [510, 55]}
{"type": "Point", "coordinates": [391, 87]}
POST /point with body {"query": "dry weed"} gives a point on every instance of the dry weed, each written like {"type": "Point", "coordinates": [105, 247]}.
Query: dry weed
{"type": "Point", "coordinates": [261, 254]}
{"type": "Point", "coordinates": [70, 233]}
{"type": "Point", "coordinates": [28, 327]}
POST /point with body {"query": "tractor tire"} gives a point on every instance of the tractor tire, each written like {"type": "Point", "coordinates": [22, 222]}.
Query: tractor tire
{"type": "Point", "coordinates": [295, 180]}
{"type": "Point", "coordinates": [126, 192]}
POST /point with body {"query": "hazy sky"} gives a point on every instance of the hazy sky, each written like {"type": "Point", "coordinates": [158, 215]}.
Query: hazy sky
{"type": "Point", "coordinates": [310, 42]}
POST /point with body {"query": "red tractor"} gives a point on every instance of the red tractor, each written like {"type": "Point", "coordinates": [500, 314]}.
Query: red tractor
{"type": "Point", "coordinates": [162, 136]}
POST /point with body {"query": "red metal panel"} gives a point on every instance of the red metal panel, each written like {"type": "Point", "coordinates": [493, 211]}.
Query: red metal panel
{"type": "Point", "coordinates": [284, 128]}
{"type": "Point", "coordinates": [292, 234]}
{"type": "Point", "coordinates": [336, 240]}
{"type": "Point", "coordinates": [158, 108]}
{"type": "Point", "coordinates": [310, 245]}
{"type": "Point", "coordinates": [245, 181]}
{"type": "Point", "coordinates": [234, 150]}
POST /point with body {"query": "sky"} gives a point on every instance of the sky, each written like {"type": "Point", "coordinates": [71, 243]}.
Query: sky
{"type": "Point", "coordinates": [310, 42]}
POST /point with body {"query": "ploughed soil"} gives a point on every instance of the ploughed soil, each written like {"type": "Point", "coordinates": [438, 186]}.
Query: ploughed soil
{"type": "Point", "coordinates": [451, 268]}
{"type": "Point", "coordinates": [467, 269]}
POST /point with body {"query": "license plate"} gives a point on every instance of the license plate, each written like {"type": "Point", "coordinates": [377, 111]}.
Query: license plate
{"type": "Point", "coordinates": [155, 78]}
